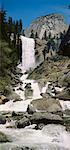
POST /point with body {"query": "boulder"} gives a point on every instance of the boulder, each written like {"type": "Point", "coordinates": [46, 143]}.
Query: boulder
{"type": "Point", "coordinates": [3, 138]}
{"type": "Point", "coordinates": [49, 105]}
{"type": "Point", "coordinates": [39, 126]}
{"type": "Point", "coordinates": [31, 109]}
{"type": "Point", "coordinates": [64, 95]}
{"type": "Point", "coordinates": [45, 118]}
{"type": "Point", "coordinates": [28, 93]}
{"type": "Point", "coordinates": [22, 123]}
{"type": "Point", "coordinates": [2, 120]}
{"type": "Point", "coordinates": [14, 96]}
{"type": "Point", "coordinates": [3, 99]}
{"type": "Point", "coordinates": [66, 79]}
{"type": "Point", "coordinates": [7, 90]}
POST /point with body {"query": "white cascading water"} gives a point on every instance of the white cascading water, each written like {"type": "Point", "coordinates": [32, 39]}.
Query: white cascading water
{"type": "Point", "coordinates": [28, 58]}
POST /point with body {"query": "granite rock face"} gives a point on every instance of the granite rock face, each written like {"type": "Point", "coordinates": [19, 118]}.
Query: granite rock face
{"type": "Point", "coordinates": [53, 23]}
{"type": "Point", "coordinates": [48, 32]}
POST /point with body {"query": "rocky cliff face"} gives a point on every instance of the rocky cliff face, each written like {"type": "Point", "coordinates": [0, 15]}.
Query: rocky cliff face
{"type": "Point", "coordinates": [48, 31]}
{"type": "Point", "coordinates": [65, 44]}
{"type": "Point", "coordinates": [53, 24]}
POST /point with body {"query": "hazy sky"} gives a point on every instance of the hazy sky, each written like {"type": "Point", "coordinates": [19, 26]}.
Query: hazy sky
{"type": "Point", "coordinates": [28, 10]}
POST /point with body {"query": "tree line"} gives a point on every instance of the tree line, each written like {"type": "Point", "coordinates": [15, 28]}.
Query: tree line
{"type": "Point", "coordinates": [8, 26]}
{"type": "Point", "coordinates": [10, 31]}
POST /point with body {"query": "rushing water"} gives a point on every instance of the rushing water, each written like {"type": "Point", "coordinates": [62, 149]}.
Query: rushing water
{"type": "Point", "coordinates": [51, 137]}
{"type": "Point", "coordinates": [21, 106]}
{"type": "Point", "coordinates": [28, 53]}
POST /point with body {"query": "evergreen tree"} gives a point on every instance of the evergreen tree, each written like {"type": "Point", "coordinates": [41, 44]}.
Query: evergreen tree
{"type": "Point", "coordinates": [20, 25]}
{"type": "Point", "coordinates": [45, 36]}
{"type": "Point", "coordinates": [13, 26]}
{"type": "Point", "coordinates": [61, 35]}
{"type": "Point", "coordinates": [36, 35]}
{"type": "Point", "coordinates": [9, 28]}
{"type": "Point", "coordinates": [23, 33]}
{"type": "Point", "coordinates": [32, 34]}
{"type": "Point", "coordinates": [2, 23]}
{"type": "Point", "coordinates": [44, 53]}
{"type": "Point", "coordinates": [49, 35]}
{"type": "Point", "coordinates": [10, 20]}
{"type": "Point", "coordinates": [17, 27]}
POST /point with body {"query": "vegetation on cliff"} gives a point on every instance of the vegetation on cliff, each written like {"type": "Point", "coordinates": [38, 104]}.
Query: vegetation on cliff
{"type": "Point", "coordinates": [9, 47]}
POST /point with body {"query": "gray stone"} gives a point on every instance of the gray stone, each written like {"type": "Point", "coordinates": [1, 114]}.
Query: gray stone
{"type": "Point", "coordinates": [22, 123]}
{"type": "Point", "coordinates": [64, 95]}
{"type": "Point", "coordinates": [66, 79]}
{"type": "Point", "coordinates": [45, 118]}
{"type": "Point", "coordinates": [31, 109]}
{"type": "Point", "coordinates": [13, 96]}
{"type": "Point", "coordinates": [2, 120]}
{"type": "Point", "coordinates": [49, 105]}
{"type": "Point", "coordinates": [3, 99]}
{"type": "Point", "coordinates": [28, 93]}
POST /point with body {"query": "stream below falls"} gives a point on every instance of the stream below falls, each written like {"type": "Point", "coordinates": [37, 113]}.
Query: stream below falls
{"type": "Point", "coordinates": [51, 137]}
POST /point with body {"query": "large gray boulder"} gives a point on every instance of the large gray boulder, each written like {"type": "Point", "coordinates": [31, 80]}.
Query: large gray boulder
{"type": "Point", "coordinates": [28, 91]}
{"type": "Point", "coordinates": [45, 118]}
{"type": "Point", "coordinates": [49, 105]}
{"type": "Point", "coordinates": [31, 109]}
{"type": "Point", "coordinates": [22, 122]}
{"type": "Point", "coordinates": [64, 95]}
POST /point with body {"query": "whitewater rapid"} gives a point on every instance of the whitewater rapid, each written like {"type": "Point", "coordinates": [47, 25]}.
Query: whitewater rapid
{"type": "Point", "coordinates": [51, 137]}
{"type": "Point", "coordinates": [21, 106]}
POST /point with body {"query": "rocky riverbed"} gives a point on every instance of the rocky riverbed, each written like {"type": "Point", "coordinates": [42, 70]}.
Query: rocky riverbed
{"type": "Point", "coordinates": [36, 115]}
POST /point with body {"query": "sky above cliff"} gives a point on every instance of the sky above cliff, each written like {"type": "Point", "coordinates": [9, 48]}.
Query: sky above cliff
{"type": "Point", "coordinates": [28, 10]}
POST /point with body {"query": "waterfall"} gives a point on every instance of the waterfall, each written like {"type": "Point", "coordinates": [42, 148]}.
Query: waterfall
{"type": "Point", "coordinates": [28, 58]}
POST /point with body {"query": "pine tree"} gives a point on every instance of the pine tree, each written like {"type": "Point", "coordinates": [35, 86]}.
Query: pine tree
{"type": "Point", "coordinates": [23, 33]}
{"type": "Point", "coordinates": [45, 36]}
{"type": "Point", "coordinates": [36, 35]}
{"type": "Point", "coordinates": [10, 20]}
{"type": "Point", "coordinates": [20, 25]}
{"type": "Point", "coordinates": [17, 27]}
{"type": "Point", "coordinates": [32, 34]}
{"type": "Point", "coordinates": [2, 23]}
{"type": "Point", "coordinates": [44, 53]}
{"type": "Point", "coordinates": [49, 35]}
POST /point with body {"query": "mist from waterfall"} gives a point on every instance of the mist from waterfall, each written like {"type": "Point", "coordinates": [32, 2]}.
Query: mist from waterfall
{"type": "Point", "coordinates": [28, 54]}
